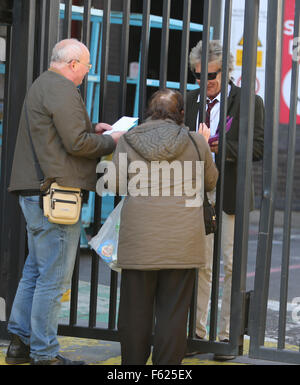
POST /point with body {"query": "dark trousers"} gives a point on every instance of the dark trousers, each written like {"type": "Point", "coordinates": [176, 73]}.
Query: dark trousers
{"type": "Point", "coordinates": [171, 292]}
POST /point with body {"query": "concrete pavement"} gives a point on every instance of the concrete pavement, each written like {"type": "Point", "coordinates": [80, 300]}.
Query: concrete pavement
{"type": "Point", "coordinates": [96, 352]}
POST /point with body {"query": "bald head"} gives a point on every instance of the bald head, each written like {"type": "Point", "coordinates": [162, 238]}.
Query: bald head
{"type": "Point", "coordinates": [66, 50]}
{"type": "Point", "coordinates": [71, 58]}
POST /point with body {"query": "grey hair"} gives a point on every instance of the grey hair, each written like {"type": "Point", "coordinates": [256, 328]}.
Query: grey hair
{"type": "Point", "coordinates": [214, 54]}
{"type": "Point", "coordinates": [66, 50]}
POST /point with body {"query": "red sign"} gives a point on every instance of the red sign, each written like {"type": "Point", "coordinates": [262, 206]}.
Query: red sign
{"type": "Point", "coordinates": [286, 69]}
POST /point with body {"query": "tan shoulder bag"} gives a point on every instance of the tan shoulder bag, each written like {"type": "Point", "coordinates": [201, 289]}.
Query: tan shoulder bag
{"type": "Point", "coordinates": [60, 204]}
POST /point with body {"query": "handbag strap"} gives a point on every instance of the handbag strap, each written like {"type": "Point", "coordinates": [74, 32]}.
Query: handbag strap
{"type": "Point", "coordinates": [205, 202]}
{"type": "Point", "coordinates": [36, 162]}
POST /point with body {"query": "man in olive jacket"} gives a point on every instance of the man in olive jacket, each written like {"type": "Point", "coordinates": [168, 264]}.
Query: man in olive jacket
{"type": "Point", "coordinates": [213, 95]}
{"type": "Point", "coordinates": [67, 148]}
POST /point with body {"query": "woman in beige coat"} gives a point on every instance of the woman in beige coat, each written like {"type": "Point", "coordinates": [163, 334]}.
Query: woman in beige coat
{"type": "Point", "coordinates": [161, 240]}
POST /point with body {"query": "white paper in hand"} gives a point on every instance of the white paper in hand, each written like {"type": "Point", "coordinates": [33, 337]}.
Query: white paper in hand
{"type": "Point", "coordinates": [123, 124]}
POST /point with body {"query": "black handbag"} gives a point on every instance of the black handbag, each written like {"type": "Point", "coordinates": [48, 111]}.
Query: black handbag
{"type": "Point", "coordinates": [209, 213]}
{"type": "Point", "coordinates": [210, 217]}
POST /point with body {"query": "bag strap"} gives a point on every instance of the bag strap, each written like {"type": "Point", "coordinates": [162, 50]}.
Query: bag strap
{"type": "Point", "coordinates": [36, 162]}
{"type": "Point", "coordinates": [205, 202]}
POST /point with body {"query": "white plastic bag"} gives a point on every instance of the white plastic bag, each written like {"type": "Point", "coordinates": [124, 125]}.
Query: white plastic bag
{"type": "Point", "coordinates": [105, 243]}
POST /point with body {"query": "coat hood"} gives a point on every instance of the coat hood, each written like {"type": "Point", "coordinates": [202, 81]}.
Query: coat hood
{"type": "Point", "coordinates": [158, 139]}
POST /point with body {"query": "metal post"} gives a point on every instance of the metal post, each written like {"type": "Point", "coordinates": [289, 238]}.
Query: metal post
{"type": "Point", "coordinates": [204, 59]}
{"type": "Point", "coordinates": [104, 59]}
{"type": "Point", "coordinates": [86, 32]}
{"type": "Point", "coordinates": [221, 167]}
{"type": "Point", "coordinates": [258, 308]}
{"type": "Point", "coordinates": [51, 23]}
{"type": "Point", "coordinates": [40, 38]}
{"type": "Point", "coordinates": [97, 211]}
{"type": "Point", "coordinates": [67, 23]}
{"type": "Point", "coordinates": [289, 185]}
{"type": "Point", "coordinates": [86, 28]}
{"type": "Point", "coordinates": [185, 47]}
{"type": "Point", "coordinates": [164, 44]}
{"type": "Point", "coordinates": [240, 251]}
{"type": "Point", "coordinates": [144, 58]}
{"type": "Point", "coordinates": [12, 224]}
{"type": "Point", "coordinates": [124, 57]}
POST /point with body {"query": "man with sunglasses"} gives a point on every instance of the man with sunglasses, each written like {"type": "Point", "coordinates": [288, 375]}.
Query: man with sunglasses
{"type": "Point", "coordinates": [209, 129]}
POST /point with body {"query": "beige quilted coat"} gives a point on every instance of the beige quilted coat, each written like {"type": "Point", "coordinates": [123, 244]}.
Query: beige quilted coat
{"type": "Point", "coordinates": [161, 232]}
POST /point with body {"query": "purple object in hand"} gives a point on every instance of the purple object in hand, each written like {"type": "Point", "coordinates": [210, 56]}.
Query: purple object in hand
{"type": "Point", "coordinates": [216, 136]}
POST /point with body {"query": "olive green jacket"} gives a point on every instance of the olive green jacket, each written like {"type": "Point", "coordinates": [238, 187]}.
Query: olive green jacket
{"type": "Point", "coordinates": [66, 145]}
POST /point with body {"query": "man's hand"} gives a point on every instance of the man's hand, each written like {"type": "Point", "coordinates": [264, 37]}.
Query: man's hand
{"type": "Point", "coordinates": [214, 146]}
{"type": "Point", "coordinates": [204, 130]}
{"type": "Point", "coordinates": [102, 127]}
{"type": "Point", "coordinates": [117, 135]}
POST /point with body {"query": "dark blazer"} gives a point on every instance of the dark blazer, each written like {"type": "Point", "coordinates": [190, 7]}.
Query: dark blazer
{"type": "Point", "coordinates": [232, 138]}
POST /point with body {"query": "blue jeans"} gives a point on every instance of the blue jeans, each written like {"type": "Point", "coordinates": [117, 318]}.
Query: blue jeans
{"type": "Point", "coordinates": [46, 276]}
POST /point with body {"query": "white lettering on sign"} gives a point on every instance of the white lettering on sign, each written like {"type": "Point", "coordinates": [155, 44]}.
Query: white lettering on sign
{"type": "Point", "coordinates": [288, 28]}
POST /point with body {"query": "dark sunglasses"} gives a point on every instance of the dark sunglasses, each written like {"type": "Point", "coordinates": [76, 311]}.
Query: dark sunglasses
{"type": "Point", "coordinates": [210, 75]}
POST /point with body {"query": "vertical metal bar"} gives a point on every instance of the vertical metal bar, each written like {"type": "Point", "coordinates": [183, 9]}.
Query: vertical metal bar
{"type": "Point", "coordinates": [12, 226]}
{"type": "Point", "coordinates": [124, 57]}
{"type": "Point", "coordinates": [91, 85]}
{"type": "Point", "coordinates": [101, 117]}
{"type": "Point", "coordinates": [216, 16]}
{"type": "Point", "coordinates": [40, 37]}
{"type": "Point", "coordinates": [202, 112]}
{"type": "Point", "coordinates": [204, 59]}
{"type": "Point", "coordinates": [258, 306]}
{"type": "Point", "coordinates": [112, 314]}
{"type": "Point", "coordinates": [113, 300]}
{"type": "Point", "coordinates": [185, 47]}
{"type": "Point", "coordinates": [164, 44]}
{"type": "Point", "coordinates": [93, 290]}
{"type": "Point", "coordinates": [74, 290]}
{"type": "Point", "coordinates": [104, 58]}
{"type": "Point", "coordinates": [6, 107]}
{"type": "Point", "coordinates": [243, 188]}
{"type": "Point", "coordinates": [98, 200]}
{"type": "Point", "coordinates": [95, 264]}
{"type": "Point", "coordinates": [193, 308]}
{"type": "Point", "coordinates": [67, 19]}
{"type": "Point", "coordinates": [223, 106]}
{"type": "Point", "coordinates": [221, 167]}
{"type": "Point", "coordinates": [86, 32]}
{"type": "Point", "coordinates": [144, 58]}
{"type": "Point", "coordinates": [51, 30]}
{"type": "Point", "coordinates": [31, 27]}
{"type": "Point", "coordinates": [8, 281]}
{"type": "Point", "coordinates": [289, 184]}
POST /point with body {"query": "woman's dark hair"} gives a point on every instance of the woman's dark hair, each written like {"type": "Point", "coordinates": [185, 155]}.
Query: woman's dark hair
{"type": "Point", "coordinates": [166, 104]}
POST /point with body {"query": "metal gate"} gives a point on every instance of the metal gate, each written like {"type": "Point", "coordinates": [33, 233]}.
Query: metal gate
{"type": "Point", "coordinates": [36, 26]}
{"type": "Point", "coordinates": [259, 297]}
